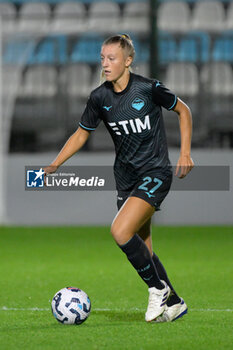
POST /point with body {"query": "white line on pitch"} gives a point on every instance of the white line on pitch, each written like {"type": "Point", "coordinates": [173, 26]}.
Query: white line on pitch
{"type": "Point", "coordinates": [141, 310]}
{"type": "Point", "coordinates": [212, 310]}
{"type": "Point", "coordinates": [5, 308]}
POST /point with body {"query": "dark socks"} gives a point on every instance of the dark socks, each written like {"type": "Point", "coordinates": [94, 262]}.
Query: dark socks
{"type": "Point", "coordinates": [139, 256]}
{"type": "Point", "coordinates": [174, 298]}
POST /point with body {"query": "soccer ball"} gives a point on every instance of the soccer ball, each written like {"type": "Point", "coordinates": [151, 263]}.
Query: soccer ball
{"type": "Point", "coordinates": [71, 305]}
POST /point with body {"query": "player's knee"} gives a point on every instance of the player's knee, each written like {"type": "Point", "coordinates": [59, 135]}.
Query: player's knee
{"type": "Point", "coordinates": [120, 233]}
{"type": "Point", "coordinates": [116, 231]}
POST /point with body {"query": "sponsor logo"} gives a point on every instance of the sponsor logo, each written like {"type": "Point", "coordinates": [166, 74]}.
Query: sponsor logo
{"type": "Point", "coordinates": [107, 108]}
{"type": "Point", "coordinates": [135, 126]}
{"type": "Point", "coordinates": [149, 194]}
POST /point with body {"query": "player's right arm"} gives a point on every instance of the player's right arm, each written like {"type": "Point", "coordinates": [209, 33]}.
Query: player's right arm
{"type": "Point", "coordinates": [73, 145]}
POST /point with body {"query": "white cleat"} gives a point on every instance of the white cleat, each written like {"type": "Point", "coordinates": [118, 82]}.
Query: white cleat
{"type": "Point", "coordinates": [157, 302]}
{"type": "Point", "coordinates": [172, 313]}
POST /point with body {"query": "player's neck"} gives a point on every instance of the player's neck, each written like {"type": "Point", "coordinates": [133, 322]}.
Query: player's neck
{"type": "Point", "coordinates": [121, 83]}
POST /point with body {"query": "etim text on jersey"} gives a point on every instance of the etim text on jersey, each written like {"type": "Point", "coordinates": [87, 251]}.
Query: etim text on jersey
{"type": "Point", "coordinates": [132, 125]}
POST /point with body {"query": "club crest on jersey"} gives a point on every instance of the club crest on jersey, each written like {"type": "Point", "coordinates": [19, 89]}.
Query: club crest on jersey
{"type": "Point", "coordinates": [138, 103]}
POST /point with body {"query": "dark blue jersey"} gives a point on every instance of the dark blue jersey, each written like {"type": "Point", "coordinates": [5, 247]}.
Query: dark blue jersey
{"type": "Point", "coordinates": [134, 120]}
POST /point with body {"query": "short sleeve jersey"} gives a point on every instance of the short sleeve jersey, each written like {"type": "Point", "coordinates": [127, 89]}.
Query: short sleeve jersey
{"type": "Point", "coordinates": [134, 120]}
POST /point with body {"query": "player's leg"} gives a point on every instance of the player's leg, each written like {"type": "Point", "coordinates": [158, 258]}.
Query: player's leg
{"type": "Point", "coordinates": [145, 233]}
{"type": "Point", "coordinates": [132, 216]}
{"type": "Point", "coordinates": [175, 306]}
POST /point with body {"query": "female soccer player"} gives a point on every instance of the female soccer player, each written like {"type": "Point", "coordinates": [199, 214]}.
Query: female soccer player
{"type": "Point", "coordinates": [130, 107]}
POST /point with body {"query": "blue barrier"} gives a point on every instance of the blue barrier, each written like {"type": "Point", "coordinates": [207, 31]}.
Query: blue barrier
{"type": "Point", "coordinates": [54, 49]}
{"type": "Point", "coordinates": [223, 49]}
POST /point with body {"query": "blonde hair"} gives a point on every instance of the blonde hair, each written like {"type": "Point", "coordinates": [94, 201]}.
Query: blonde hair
{"type": "Point", "coordinates": [126, 44]}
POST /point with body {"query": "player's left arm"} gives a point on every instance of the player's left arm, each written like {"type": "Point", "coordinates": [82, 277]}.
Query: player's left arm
{"type": "Point", "coordinates": [185, 162]}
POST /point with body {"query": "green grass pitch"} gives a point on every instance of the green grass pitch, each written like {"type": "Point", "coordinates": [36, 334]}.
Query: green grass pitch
{"type": "Point", "coordinates": [37, 262]}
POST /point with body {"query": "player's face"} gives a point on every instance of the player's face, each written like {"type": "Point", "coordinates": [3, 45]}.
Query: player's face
{"type": "Point", "coordinates": [114, 61]}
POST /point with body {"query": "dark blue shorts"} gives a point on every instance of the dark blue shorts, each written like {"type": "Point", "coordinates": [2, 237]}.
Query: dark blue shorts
{"type": "Point", "coordinates": [151, 187]}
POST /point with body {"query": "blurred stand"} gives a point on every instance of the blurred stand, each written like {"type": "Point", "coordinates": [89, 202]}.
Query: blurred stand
{"type": "Point", "coordinates": [3, 216]}
{"type": "Point", "coordinates": [50, 55]}
{"type": "Point", "coordinates": [50, 62]}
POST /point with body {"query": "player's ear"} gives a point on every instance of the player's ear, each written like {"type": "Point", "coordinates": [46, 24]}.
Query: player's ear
{"type": "Point", "coordinates": [128, 61]}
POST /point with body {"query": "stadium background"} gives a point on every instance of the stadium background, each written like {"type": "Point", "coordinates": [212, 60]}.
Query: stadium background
{"type": "Point", "coordinates": [49, 65]}
{"type": "Point", "coordinates": [49, 61]}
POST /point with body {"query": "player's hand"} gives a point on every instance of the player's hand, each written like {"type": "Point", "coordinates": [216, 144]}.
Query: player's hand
{"type": "Point", "coordinates": [184, 166]}
{"type": "Point", "coordinates": [49, 170]}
